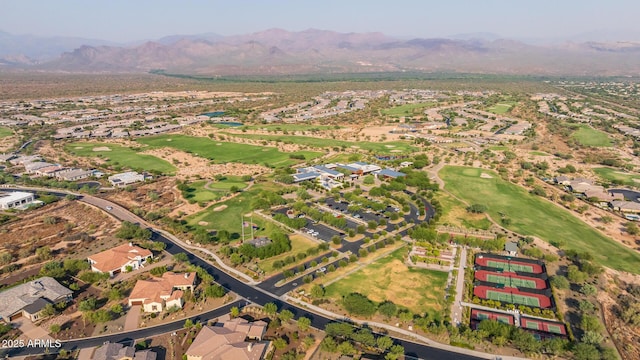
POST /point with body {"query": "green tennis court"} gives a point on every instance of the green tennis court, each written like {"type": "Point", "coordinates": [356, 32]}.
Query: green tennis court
{"type": "Point", "coordinates": [500, 296]}
{"type": "Point", "coordinates": [511, 282]}
{"type": "Point", "coordinates": [513, 298]}
{"type": "Point", "coordinates": [532, 325]}
{"type": "Point", "coordinates": [482, 316]}
{"type": "Point", "coordinates": [525, 300]}
{"type": "Point", "coordinates": [510, 266]}
{"type": "Point", "coordinates": [503, 319]}
{"type": "Point", "coordinates": [555, 329]}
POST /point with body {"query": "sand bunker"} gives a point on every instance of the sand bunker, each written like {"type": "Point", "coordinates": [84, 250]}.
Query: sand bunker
{"type": "Point", "coordinates": [78, 147]}
{"type": "Point", "coordinates": [395, 151]}
{"type": "Point", "coordinates": [101, 148]}
{"type": "Point", "coordinates": [390, 146]}
{"type": "Point", "coordinates": [486, 176]}
{"type": "Point", "coordinates": [203, 223]}
{"type": "Point", "coordinates": [218, 144]}
{"type": "Point", "coordinates": [220, 208]}
{"type": "Point", "coordinates": [355, 147]}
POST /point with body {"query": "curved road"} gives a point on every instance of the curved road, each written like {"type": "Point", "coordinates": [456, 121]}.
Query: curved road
{"type": "Point", "coordinates": [251, 293]}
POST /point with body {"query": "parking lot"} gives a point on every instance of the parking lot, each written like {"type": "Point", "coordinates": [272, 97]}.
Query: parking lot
{"type": "Point", "coordinates": [364, 215]}
{"type": "Point", "coordinates": [320, 231]}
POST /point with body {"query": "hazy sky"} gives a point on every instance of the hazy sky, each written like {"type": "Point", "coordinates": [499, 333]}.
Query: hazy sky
{"type": "Point", "coordinates": [130, 20]}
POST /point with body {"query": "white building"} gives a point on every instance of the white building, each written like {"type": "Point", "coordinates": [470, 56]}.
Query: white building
{"type": "Point", "coordinates": [124, 179]}
{"type": "Point", "coordinates": [16, 199]}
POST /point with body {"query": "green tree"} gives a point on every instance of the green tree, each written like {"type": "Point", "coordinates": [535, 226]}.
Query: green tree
{"type": "Point", "coordinates": [592, 337]}
{"type": "Point", "coordinates": [590, 323]}
{"type": "Point", "coordinates": [384, 343]}
{"type": "Point", "coordinates": [477, 208]}
{"type": "Point", "coordinates": [395, 352]}
{"type": "Point", "coordinates": [317, 291]}
{"type": "Point", "coordinates": [329, 344]}
{"type": "Point", "coordinates": [346, 348]}
{"type": "Point", "coordinates": [235, 312]}
{"type": "Point", "coordinates": [55, 328]}
{"type": "Point", "coordinates": [280, 343]}
{"type": "Point", "coordinates": [214, 291]}
{"type": "Point", "coordinates": [388, 309]}
{"type": "Point", "coordinates": [270, 309]}
{"type": "Point", "coordinates": [304, 323]}
{"type": "Point", "coordinates": [559, 282]}
{"type": "Point", "coordinates": [285, 315]}
{"type": "Point", "coordinates": [358, 304]}
{"type": "Point", "coordinates": [583, 351]}
{"type": "Point", "coordinates": [588, 289]}
{"type": "Point", "coordinates": [48, 310]}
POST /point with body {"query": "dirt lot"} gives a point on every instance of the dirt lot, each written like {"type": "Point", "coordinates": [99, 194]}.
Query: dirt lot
{"type": "Point", "coordinates": [149, 197]}
{"type": "Point", "coordinates": [65, 227]}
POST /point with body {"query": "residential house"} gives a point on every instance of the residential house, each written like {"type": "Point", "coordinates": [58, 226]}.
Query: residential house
{"type": "Point", "coordinates": [157, 294]}
{"type": "Point", "coordinates": [127, 178]}
{"type": "Point", "coordinates": [117, 351]}
{"type": "Point", "coordinates": [15, 199]}
{"type": "Point", "coordinates": [228, 342]}
{"type": "Point", "coordinates": [119, 259]}
{"type": "Point", "coordinates": [74, 174]}
{"type": "Point", "coordinates": [32, 167]}
{"type": "Point", "coordinates": [28, 299]}
{"type": "Point", "coordinates": [562, 180]}
{"type": "Point", "coordinates": [597, 194]}
{"type": "Point", "coordinates": [625, 206]}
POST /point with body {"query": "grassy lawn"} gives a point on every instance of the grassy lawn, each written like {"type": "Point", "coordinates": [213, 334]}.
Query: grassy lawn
{"type": "Point", "coordinates": [625, 178]}
{"type": "Point", "coordinates": [419, 290]}
{"type": "Point", "coordinates": [408, 109]}
{"type": "Point", "coordinates": [589, 136]}
{"type": "Point", "coordinates": [454, 213]}
{"type": "Point", "coordinates": [498, 148]}
{"type": "Point", "coordinates": [202, 193]}
{"type": "Point", "coordinates": [117, 155]}
{"type": "Point", "coordinates": [224, 152]}
{"type": "Point", "coordinates": [298, 244]}
{"type": "Point", "coordinates": [230, 218]}
{"type": "Point", "coordinates": [377, 147]}
{"type": "Point", "coordinates": [531, 215]}
{"type": "Point", "coordinates": [502, 107]}
{"type": "Point", "coordinates": [5, 132]}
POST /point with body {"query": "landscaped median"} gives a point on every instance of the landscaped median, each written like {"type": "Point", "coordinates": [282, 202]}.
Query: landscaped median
{"type": "Point", "coordinates": [532, 215]}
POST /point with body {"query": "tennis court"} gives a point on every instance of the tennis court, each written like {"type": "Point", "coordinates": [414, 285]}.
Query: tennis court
{"type": "Point", "coordinates": [512, 282]}
{"type": "Point", "coordinates": [556, 329]}
{"type": "Point", "coordinates": [513, 298]}
{"type": "Point", "coordinates": [532, 325]}
{"type": "Point", "coordinates": [510, 266]}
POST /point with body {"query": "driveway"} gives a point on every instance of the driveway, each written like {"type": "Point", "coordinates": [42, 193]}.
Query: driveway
{"type": "Point", "coordinates": [31, 331]}
{"type": "Point", "coordinates": [133, 316]}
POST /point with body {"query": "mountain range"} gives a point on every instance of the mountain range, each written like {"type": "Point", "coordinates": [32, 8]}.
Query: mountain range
{"type": "Point", "coordinates": [280, 52]}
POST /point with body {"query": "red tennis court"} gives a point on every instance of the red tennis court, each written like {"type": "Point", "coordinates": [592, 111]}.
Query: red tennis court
{"type": "Point", "coordinates": [541, 325]}
{"type": "Point", "coordinates": [512, 296]}
{"type": "Point", "coordinates": [510, 265]}
{"type": "Point", "coordinates": [510, 279]}
{"type": "Point", "coordinates": [489, 315]}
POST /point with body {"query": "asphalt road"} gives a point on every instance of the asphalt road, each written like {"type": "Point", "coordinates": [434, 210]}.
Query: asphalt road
{"type": "Point", "coordinates": [252, 294]}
